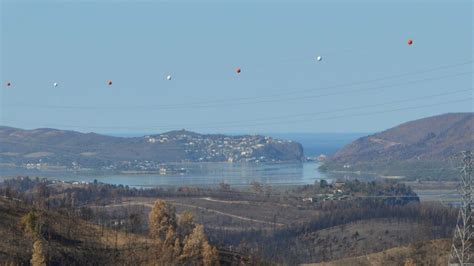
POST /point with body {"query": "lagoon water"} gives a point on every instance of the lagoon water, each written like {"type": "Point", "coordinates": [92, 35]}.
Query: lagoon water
{"type": "Point", "coordinates": [212, 174]}
{"type": "Point", "coordinates": [206, 174]}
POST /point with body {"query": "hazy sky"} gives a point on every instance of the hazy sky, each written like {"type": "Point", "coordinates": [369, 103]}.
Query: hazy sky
{"type": "Point", "coordinates": [369, 78]}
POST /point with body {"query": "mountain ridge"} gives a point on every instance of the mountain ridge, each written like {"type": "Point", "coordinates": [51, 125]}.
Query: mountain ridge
{"type": "Point", "coordinates": [431, 140]}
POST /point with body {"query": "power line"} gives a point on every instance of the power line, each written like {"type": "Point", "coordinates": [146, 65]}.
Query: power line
{"type": "Point", "coordinates": [254, 100]}
{"type": "Point", "coordinates": [264, 119]}
{"type": "Point", "coordinates": [323, 112]}
{"type": "Point", "coordinates": [273, 123]}
{"type": "Point", "coordinates": [391, 110]}
{"type": "Point", "coordinates": [377, 79]}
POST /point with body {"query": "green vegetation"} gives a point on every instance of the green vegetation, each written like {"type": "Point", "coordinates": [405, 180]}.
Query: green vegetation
{"type": "Point", "coordinates": [388, 192]}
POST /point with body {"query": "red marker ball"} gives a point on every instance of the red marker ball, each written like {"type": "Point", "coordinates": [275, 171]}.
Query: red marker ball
{"type": "Point", "coordinates": [238, 70]}
{"type": "Point", "coordinates": [410, 42]}
{"type": "Point", "coordinates": [109, 82]}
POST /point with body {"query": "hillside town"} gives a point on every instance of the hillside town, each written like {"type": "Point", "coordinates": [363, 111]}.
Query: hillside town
{"type": "Point", "coordinates": [219, 148]}
{"type": "Point", "coordinates": [151, 153]}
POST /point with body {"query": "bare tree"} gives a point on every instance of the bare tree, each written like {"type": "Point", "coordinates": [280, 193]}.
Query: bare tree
{"type": "Point", "coordinates": [161, 218]}
{"type": "Point", "coordinates": [39, 254]}
{"type": "Point", "coordinates": [186, 224]}
{"type": "Point", "coordinates": [256, 187]}
{"type": "Point", "coordinates": [224, 186]}
{"type": "Point", "coordinates": [196, 247]}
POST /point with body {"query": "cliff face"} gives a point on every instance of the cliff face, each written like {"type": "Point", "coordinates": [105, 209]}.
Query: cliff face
{"type": "Point", "coordinates": [429, 139]}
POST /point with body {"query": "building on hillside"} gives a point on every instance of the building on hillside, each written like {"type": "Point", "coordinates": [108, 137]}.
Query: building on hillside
{"type": "Point", "coordinates": [321, 158]}
{"type": "Point", "coordinates": [308, 199]}
{"type": "Point", "coordinates": [339, 184]}
{"type": "Point", "coordinates": [162, 170]}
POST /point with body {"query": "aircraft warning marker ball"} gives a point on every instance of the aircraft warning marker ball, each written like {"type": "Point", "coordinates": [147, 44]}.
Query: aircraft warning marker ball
{"type": "Point", "coordinates": [410, 41]}
{"type": "Point", "coordinates": [109, 83]}
{"type": "Point", "coordinates": [169, 77]}
{"type": "Point", "coordinates": [8, 83]}
{"type": "Point", "coordinates": [319, 58]}
{"type": "Point", "coordinates": [55, 84]}
{"type": "Point", "coordinates": [238, 70]}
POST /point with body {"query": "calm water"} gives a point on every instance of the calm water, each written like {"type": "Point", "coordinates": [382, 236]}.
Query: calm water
{"type": "Point", "coordinates": [208, 174]}
{"type": "Point", "coordinates": [211, 174]}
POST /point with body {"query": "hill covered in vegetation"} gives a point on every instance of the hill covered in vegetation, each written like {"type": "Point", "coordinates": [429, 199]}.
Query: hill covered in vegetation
{"type": "Point", "coordinates": [428, 143]}
{"type": "Point", "coordinates": [51, 148]}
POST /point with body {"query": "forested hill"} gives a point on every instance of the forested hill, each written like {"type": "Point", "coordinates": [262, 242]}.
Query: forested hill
{"type": "Point", "coordinates": [428, 140]}
{"type": "Point", "coordinates": [70, 149]}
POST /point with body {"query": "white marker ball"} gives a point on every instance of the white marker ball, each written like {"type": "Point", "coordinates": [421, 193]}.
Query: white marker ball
{"type": "Point", "coordinates": [168, 77]}
{"type": "Point", "coordinates": [319, 58]}
{"type": "Point", "coordinates": [55, 84]}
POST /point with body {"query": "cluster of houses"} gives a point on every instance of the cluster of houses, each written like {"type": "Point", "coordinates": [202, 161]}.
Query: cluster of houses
{"type": "Point", "coordinates": [196, 148]}
{"type": "Point", "coordinates": [336, 193]}
{"type": "Point", "coordinates": [219, 147]}
{"type": "Point", "coordinates": [34, 165]}
{"type": "Point", "coordinates": [72, 182]}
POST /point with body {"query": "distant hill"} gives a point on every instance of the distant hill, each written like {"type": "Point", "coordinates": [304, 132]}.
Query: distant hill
{"type": "Point", "coordinates": [429, 141]}
{"type": "Point", "coordinates": [53, 148]}
{"type": "Point", "coordinates": [315, 144]}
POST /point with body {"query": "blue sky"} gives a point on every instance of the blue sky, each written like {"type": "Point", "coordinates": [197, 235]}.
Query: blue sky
{"type": "Point", "coordinates": [369, 78]}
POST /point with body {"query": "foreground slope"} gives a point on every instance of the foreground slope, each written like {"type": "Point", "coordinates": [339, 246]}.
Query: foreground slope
{"type": "Point", "coordinates": [69, 240]}
{"type": "Point", "coordinates": [435, 252]}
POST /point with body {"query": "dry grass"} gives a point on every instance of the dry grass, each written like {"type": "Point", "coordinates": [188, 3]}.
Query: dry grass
{"type": "Point", "coordinates": [435, 252]}
{"type": "Point", "coordinates": [70, 240]}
